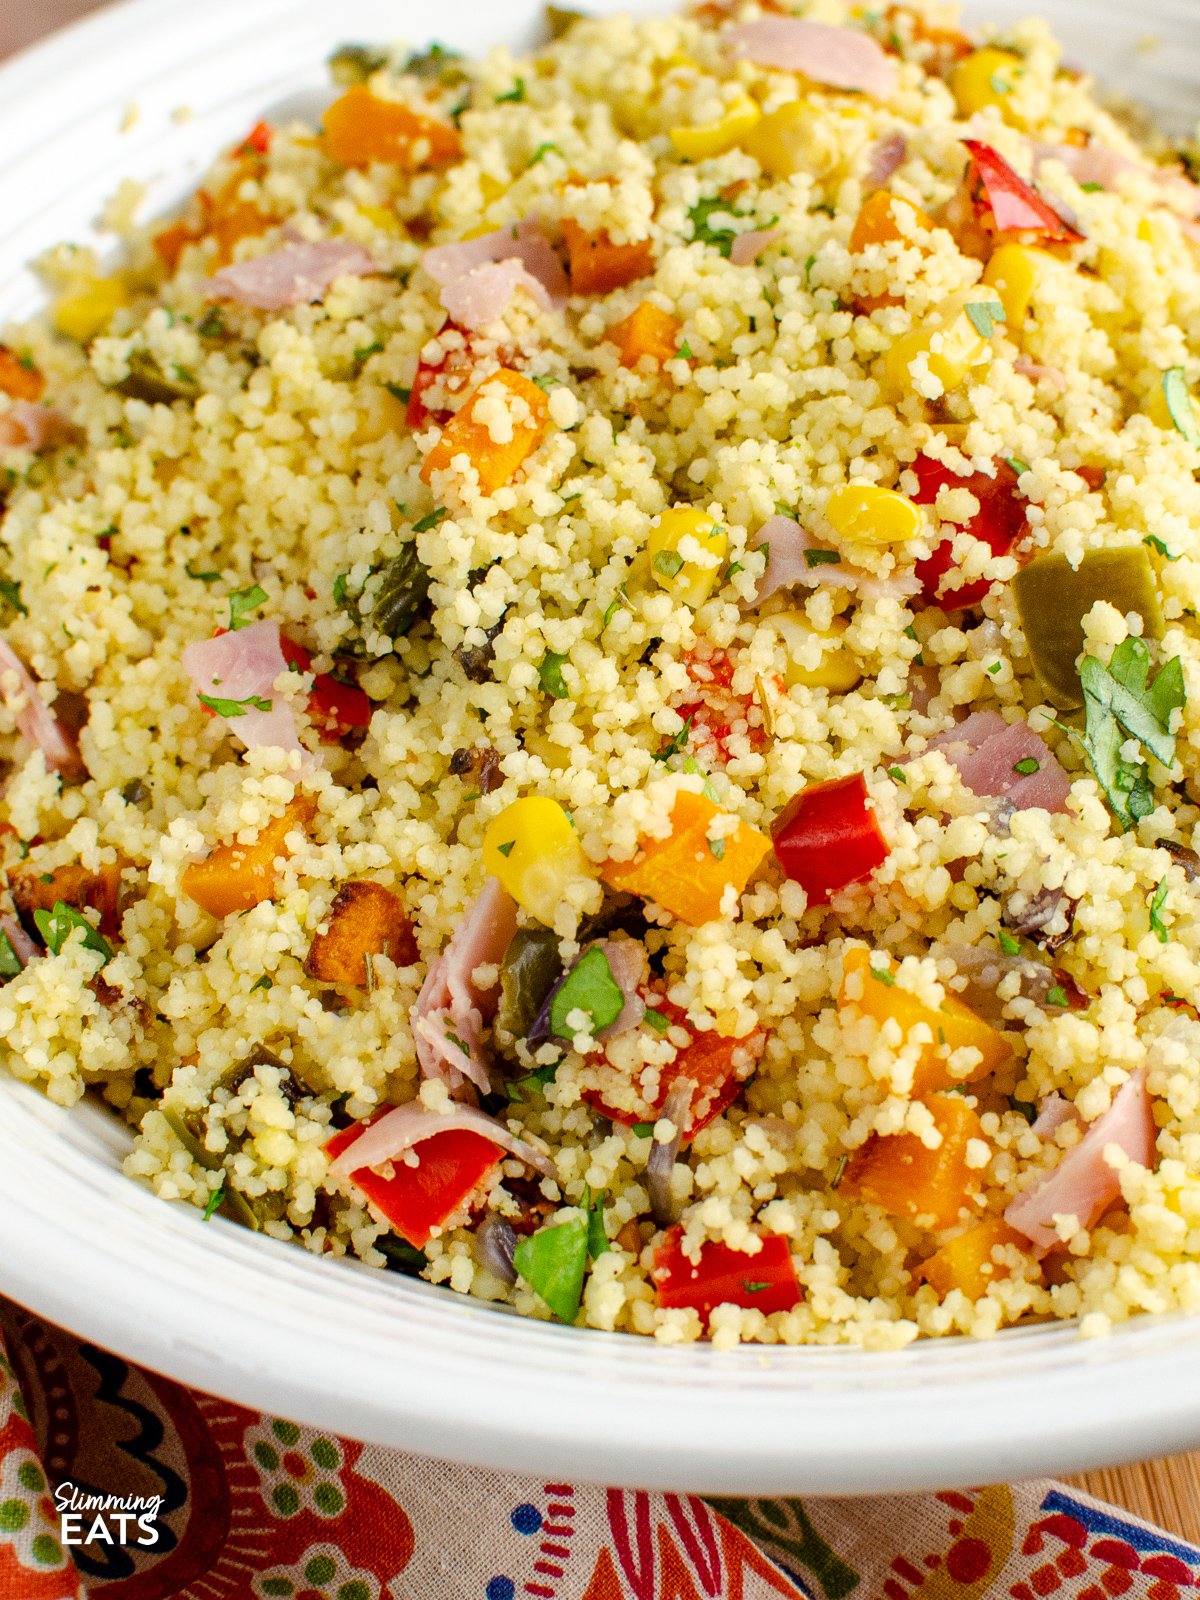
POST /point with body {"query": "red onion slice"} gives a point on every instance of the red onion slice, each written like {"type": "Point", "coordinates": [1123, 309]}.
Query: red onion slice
{"type": "Point", "coordinates": [660, 1163]}
{"type": "Point", "coordinates": [493, 1244]}
{"type": "Point", "coordinates": [403, 1127]}
{"type": "Point", "coordinates": [37, 723]}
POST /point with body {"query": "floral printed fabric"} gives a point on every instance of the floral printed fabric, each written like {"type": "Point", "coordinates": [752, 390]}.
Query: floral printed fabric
{"type": "Point", "coordinates": [248, 1507]}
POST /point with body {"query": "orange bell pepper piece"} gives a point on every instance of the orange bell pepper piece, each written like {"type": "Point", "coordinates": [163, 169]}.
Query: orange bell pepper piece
{"type": "Point", "coordinates": [236, 877]}
{"type": "Point", "coordinates": [907, 1179]}
{"type": "Point", "coordinates": [646, 331]}
{"type": "Point", "coordinates": [598, 265]}
{"type": "Point", "coordinates": [965, 1262]}
{"type": "Point", "coordinates": [361, 129]}
{"type": "Point", "coordinates": [877, 223]}
{"type": "Point", "coordinates": [681, 872]}
{"type": "Point", "coordinates": [950, 1028]}
{"type": "Point", "coordinates": [495, 464]}
{"type": "Point", "coordinates": [21, 381]}
{"type": "Point", "coordinates": [364, 919]}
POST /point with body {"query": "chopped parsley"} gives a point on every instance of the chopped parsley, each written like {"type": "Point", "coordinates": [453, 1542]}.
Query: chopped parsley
{"type": "Point", "coordinates": [542, 151]}
{"type": "Point", "coordinates": [619, 600]}
{"type": "Point", "coordinates": [10, 962]}
{"type": "Point", "coordinates": [553, 1262]}
{"type": "Point", "coordinates": [822, 558]}
{"type": "Point", "coordinates": [241, 603]}
{"type": "Point", "coordinates": [1159, 899]}
{"type": "Point", "coordinates": [754, 1288]}
{"type": "Point", "coordinates": [656, 1020]}
{"type": "Point", "coordinates": [458, 1043]}
{"type": "Point", "coordinates": [234, 708]}
{"type": "Point", "coordinates": [1008, 945]}
{"type": "Point", "coordinates": [897, 775]}
{"type": "Point", "coordinates": [589, 987]}
{"type": "Point", "coordinates": [212, 326]}
{"type": "Point", "coordinates": [1017, 464]}
{"type": "Point", "coordinates": [11, 593]}
{"type": "Point", "coordinates": [1027, 766]}
{"type": "Point", "coordinates": [1153, 542]}
{"type": "Point", "coordinates": [201, 577]}
{"type": "Point", "coordinates": [1057, 996]}
{"type": "Point", "coordinates": [994, 668]}
{"type": "Point", "coordinates": [985, 315]}
{"type": "Point", "coordinates": [366, 351]}
{"type": "Point", "coordinates": [339, 588]}
{"type": "Point", "coordinates": [426, 524]}
{"type": "Point", "coordinates": [506, 849]}
{"type": "Point", "coordinates": [883, 975]}
{"type": "Point", "coordinates": [597, 1237]}
{"type": "Point", "coordinates": [684, 353]}
{"type": "Point", "coordinates": [514, 96]}
{"type": "Point", "coordinates": [643, 1130]}
{"type": "Point", "coordinates": [676, 743]}
{"type": "Point", "coordinates": [57, 926]}
{"type": "Point", "coordinates": [546, 381]}
{"type": "Point", "coordinates": [262, 983]}
{"type": "Point", "coordinates": [669, 563]}
{"type": "Point", "coordinates": [550, 675]}
{"type": "Point", "coordinates": [716, 848]}
{"type": "Point", "coordinates": [399, 392]}
{"type": "Point", "coordinates": [215, 1201]}
{"type": "Point", "coordinates": [1121, 702]}
{"type": "Point", "coordinates": [1091, 188]}
{"type": "Point", "coordinates": [701, 217]}
{"type": "Point", "coordinates": [1180, 405]}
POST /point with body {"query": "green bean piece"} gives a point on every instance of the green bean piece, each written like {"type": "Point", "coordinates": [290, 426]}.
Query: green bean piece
{"type": "Point", "coordinates": [561, 19]}
{"type": "Point", "coordinates": [147, 381]}
{"type": "Point", "coordinates": [402, 595]}
{"type": "Point", "coordinates": [530, 967]}
{"type": "Point", "coordinates": [1053, 599]}
{"type": "Point", "coordinates": [352, 64]}
{"type": "Point", "coordinates": [185, 1130]}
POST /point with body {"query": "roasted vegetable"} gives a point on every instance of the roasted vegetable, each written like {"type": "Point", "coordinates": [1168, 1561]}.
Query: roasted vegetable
{"type": "Point", "coordinates": [689, 872]}
{"type": "Point", "coordinates": [235, 877]}
{"type": "Point", "coordinates": [528, 972]}
{"type": "Point", "coordinates": [903, 1176]}
{"type": "Point", "coordinates": [402, 595]}
{"type": "Point", "coordinates": [494, 464]}
{"type": "Point", "coordinates": [146, 381]}
{"type": "Point", "coordinates": [352, 64]}
{"type": "Point", "coordinates": [365, 920]}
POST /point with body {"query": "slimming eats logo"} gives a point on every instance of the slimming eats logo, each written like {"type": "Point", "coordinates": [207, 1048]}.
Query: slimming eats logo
{"type": "Point", "coordinates": [122, 1519]}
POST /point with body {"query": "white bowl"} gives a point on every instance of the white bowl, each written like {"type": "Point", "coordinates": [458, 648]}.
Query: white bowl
{"type": "Point", "coordinates": [387, 1359]}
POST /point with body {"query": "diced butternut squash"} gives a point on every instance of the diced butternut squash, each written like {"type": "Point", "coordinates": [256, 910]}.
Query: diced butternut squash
{"type": "Point", "coordinates": [880, 222]}
{"type": "Point", "coordinates": [688, 872]}
{"type": "Point", "coordinates": [950, 1028]}
{"type": "Point", "coordinates": [469, 432]}
{"type": "Point", "coordinates": [966, 1262]}
{"type": "Point", "coordinates": [170, 243]}
{"type": "Point", "coordinates": [236, 877]}
{"type": "Point", "coordinates": [646, 331]}
{"type": "Point", "coordinates": [18, 378]}
{"type": "Point", "coordinates": [364, 920]}
{"type": "Point", "coordinates": [907, 1179]}
{"type": "Point", "coordinates": [76, 886]}
{"type": "Point", "coordinates": [597, 265]}
{"type": "Point", "coordinates": [360, 129]}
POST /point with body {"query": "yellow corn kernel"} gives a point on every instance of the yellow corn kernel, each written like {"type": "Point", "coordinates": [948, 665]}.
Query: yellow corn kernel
{"type": "Point", "coordinates": [686, 549]}
{"type": "Point", "coordinates": [383, 218]}
{"type": "Point", "coordinates": [87, 309]}
{"type": "Point", "coordinates": [794, 139]}
{"type": "Point", "coordinates": [837, 669]}
{"type": "Point", "coordinates": [1168, 405]}
{"type": "Point", "coordinates": [1013, 271]}
{"type": "Point", "coordinates": [866, 514]}
{"type": "Point", "coordinates": [986, 78]}
{"type": "Point", "coordinates": [531, 847]}
{"type": "Point", "coordinates": [714, 138]}
{"type": "Point", "coordinates": [951, 339]}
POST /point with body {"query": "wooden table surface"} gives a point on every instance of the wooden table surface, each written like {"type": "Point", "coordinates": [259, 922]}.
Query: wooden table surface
{"type": "Point", "coordinates": [1165, 1491]}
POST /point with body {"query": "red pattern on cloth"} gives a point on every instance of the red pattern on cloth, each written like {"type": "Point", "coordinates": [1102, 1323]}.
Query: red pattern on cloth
{"type": "Point", "coordinates": [250, 1507]}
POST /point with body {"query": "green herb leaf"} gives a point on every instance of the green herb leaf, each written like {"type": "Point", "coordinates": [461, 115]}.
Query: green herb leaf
{"type": "Point", "coordinates": [1161, 932]}
{"type": "Point", "coordinates": [234, 708]}
{"type": "Point", "coordinates": [1008, 945]}
{"type": "Point", "coordinates": [884, 976]}
{"type": "Point", "coordinates": [752, 1287]}
{"type": "Point", "coordinates": [716, 848]}
{"type": "Point", "coordinates": [546, 381]}
{"type": "Point", "coordinates": [822, 558]}
{"type": "Point", "coordinates": [985, 315]}
{"type": "Point", "coordinates": [1155, 543]}
{"type": "Point", "coordinates": [995, 668]}
{"type": "Point", "coordinates": [656, 1020]}
{"type": "Point", "coordinates": [703, 230]}
{"type": "Point", "coordinates": [399, 392]}
{"type": "Point", "coordinates": [644, 1130]}
{"type": "Point", "coordinates": [506, 849]}
{"type": "Point", "coordinates": [212, 326]}
{"type": "Point", "coordinates": [550, 675]}
{"type": "Point", "coordinates": [597, 1238]}
{"type": "Point", "coordinates": [431, 521]}
{"type": "Point", "coordinates": [1120, 700]}
{"type": "Point", "coordinates": [668, 562]}
{"type": "Point", "coordinates": [339, 589]}
{"type": "Point", "coordinates": [1017, 464]}
{"type": "Point", "coordinates": [201, 577]}
{"type": "Point", "coordinates": [10, 962]}
{"type": "Point", "coordinates": [215, 1201]}
{"type": "Point", "coordinates": [1057, 996]}
{"type": "Point", "coordinates": [1027, 766]}
{"type": "Point", "coordinates": [514, 96]}
{"type": "Point", "coordinates": [591, 987]}
{"type": "Point", "coordinates": [808, 266]}
{"type": "Point", "coordinates": [553, 1262]}
{"type": "Point", "coordinates": [542, 151]}
{"type": "Point", "coordinates": [676, 743]}
{"type": "Point", "coordinates": [897, 773]}
{"type": "Point", "coordinates": [619, 600]}
{"type": "Point", "coordinates": [57, 926]}
{"type": "Point", "coordinates": [1091, 188]}
{"type": "Point", "coordinates": [1180, 405]}
{"type": "Point", "coordinates": [458, 1043]}
{"type": "Point", "coordinates": [684, 353]}
{"type": "Point", "coordinates": [11, 592]}
{"type": "Point", "coordinates": [242, 602]}
{"type": "Point", "coordinates": [261, 983]}
{"type": "Point", "coordinates": [366, 351]}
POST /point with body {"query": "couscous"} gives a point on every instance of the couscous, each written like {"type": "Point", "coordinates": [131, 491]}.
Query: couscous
{"type": "Point", "coordinates": [602, 689]}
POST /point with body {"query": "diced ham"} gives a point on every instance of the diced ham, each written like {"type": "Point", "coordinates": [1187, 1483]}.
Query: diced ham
{"type": "Point", "coordinates": [37, 723]}
{"type": "Point", "coordinates": [985, 751]}
{"type": "Point", "coordinates": [241, 667]}
{"type": "Point", "coordinates": [451, 1010]}
{"type": "Point", "coordinates": [1083, 1185]}
{"type": "Point", "coordinates": [478, 277]}
{"type": "Point", "coordinates": [840, 58]}
{"type": "Point", "coordinates": [21, 944]}
{"type": "Point", "coordinates": [887, 157]}
{"type": "Point", "coordinates": [1053, 1112]}
{"type": "Point", "coordinates": [29, 425]}
{"type": "Point", "coordinates": [294, 276]}
{"type": "Point", "coordinates": [1036, 372]}
{"type": "Point", "coordinates": [1089, 163]}
{"type": "Point", "coordinates": [390, 1135]}
{"type": "Point", "coordinates": [788, 564]}
{"type": "Point", "coordinates": [747, 247]}
{"type": "Point", "coordinates": [984, 970]}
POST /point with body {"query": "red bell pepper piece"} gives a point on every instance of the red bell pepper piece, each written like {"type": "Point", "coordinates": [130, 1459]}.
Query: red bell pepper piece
{"type": "Point", "coordinates": [765, 1281]}
{"type": "Point", "coordinates": [1015, 205]}
{"type": "Point", "coordinates": [827, 837]}
{"type": "Point", "coordinates": [707, 1060]}
{"type": "Point", "coordinates": [999, 523]}
{"type": "Point", "coordinates": [257, 141]}
{"type": "Point", "coordinates": [337, 708]}
{"type": "Point", "coordinates": [417, 1199]}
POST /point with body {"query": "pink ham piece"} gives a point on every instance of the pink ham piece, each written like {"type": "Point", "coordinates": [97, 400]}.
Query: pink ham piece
{"type": "Point", "coordinates": [401, 1129]}
{"type": "Point", "coordinates": [243, 666]}
{"type": "Point", "coordinates": [28, 425]}
{"type": "Point", "coordinates": [449, 1016]}
{"type": "Point", "coordinates": [888, 156]}
{"type": "Point", "coordinates": [294, 276]}
{"type": "Point", "coordinates": [787, 566]}
{"type": "Point", "coordinates": [840, 58]}
{"type": "Point", "coordinates": [747, 247]}
{"type": "Point", "coordinates": [478, 277]}
{"type": "Point", "coordinates": [985, 750]}
{"type": "Point", "coordinates": [1089, 163]}
{"type": "Point", "coordinates": [1083, 1185]}
{"type": "Point", "coordinates": [19, 941]}
{"type": "Point", "coordinates": [37, 723]}
{"type": "Point", "coordinates": [1053, 1112]}
{"type": "Point", "coordinates": [1036, 372]}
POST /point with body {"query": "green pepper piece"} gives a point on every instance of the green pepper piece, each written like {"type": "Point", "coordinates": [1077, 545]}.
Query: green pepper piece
{"type": "Point", "coordinates": [437, 63]}
{"type": "Point", "coordinates": [1053, 599]}
{"type": "Point", "coordinates": [184, 1129]}
{"type": "Point", "coordinates": [527, 974]}
{"type": "Point", "coordinates": [352, 64]}
{"type": "Point", "coordinates": [402, 594]}
{"type": "Point", "coordinates": [251, 1213]}
{"type": "Point", "coordinates": [147, 381]}
{"type": "Point", "coordinates": [561, 19]}
{"type": "Point", "coordinates": [291, 1087]}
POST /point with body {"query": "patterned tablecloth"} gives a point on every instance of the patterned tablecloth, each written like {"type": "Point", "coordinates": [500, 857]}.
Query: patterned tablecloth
{"type": "Point", "coordinates": [119, 1484]}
